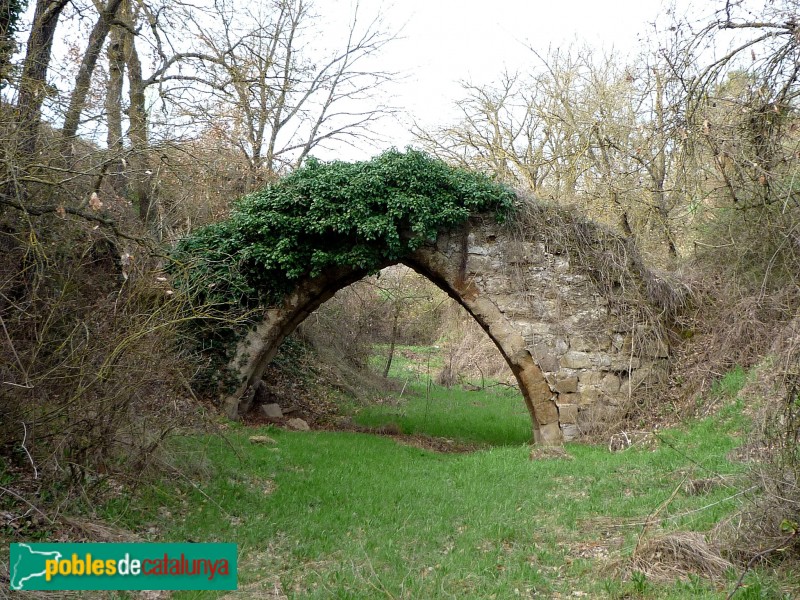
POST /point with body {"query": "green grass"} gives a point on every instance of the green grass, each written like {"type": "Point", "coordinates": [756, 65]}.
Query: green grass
{"type": "Point", "coordinates": [349, 515]}
{"type": "Point", "coordinates": [345, 515]}
{"type": "Point", "coordinates": [413, 364]}
{"type": "Point", "coordinates": [730, 384]}
{"type": "Point", "coordinates": [496, 416]}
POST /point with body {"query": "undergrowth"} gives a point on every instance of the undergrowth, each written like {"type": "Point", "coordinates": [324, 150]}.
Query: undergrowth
{"type": "Point", "coordinates": [333, 514]}
{"type": "Point", "coordinates": [92, 377]}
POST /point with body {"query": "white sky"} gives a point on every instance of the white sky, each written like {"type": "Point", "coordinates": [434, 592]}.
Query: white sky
{"type": "Point", "coordinates": [446, 41]}
{"type": "Point", "coordinates": [443, 42]}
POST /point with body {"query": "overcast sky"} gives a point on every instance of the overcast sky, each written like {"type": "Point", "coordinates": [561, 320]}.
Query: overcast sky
{"type": "Point", "coordinates": [443, 42]}
{"type": "Point", "coordinates": [446, 41]}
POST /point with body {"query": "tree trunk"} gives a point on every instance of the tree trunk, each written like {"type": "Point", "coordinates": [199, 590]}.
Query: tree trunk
{"type": "Point", "coordinates": [141, 177]}
{"type": "Point", "coordinates": [84, 79]}
{"type": "Point", "coordinates": [116, 73]}
{"type": "Point", "coordinates": [659, 199]}
{"type": "Point", "coordinates": [395, 329]}
{"type": "Point", "coordinates": [659, 169]}
{"type": "Point", "coordinates": [33, 84]}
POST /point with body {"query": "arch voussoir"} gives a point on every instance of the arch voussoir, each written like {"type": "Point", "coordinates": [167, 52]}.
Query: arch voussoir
{"type": "Point", "coordinates": [260, 345]}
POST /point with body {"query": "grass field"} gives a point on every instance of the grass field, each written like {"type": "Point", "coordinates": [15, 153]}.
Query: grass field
{"type": "Point", "coordinates": [348, 515]}
{"type": "Point", "coordinates": [495, 415]}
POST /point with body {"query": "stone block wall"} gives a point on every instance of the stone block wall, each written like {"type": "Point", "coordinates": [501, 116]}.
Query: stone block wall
{"type": "Point", "coordinates": [594, 356]}
{"type": "Point", "coordinates": [577, 350]}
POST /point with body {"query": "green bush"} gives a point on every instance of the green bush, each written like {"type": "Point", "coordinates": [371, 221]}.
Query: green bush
{"type": "Point", "coordinates": [361, 215]}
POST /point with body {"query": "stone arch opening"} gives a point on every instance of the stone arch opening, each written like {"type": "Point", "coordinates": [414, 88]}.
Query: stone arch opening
{"type": "Point", "coordinates": [259, 347]}
{"type": "Point", "coordinates": [539, 398]}
{"type": "Point", "coordinates": [566, 303]}
{"type": "Point", "coordinates": [578, 356]}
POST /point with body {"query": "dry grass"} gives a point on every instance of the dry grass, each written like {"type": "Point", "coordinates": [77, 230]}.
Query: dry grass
{"type": "Point", "coordinates": [677, 555]}
{"type": "Point", "coordinates": [767, 530]}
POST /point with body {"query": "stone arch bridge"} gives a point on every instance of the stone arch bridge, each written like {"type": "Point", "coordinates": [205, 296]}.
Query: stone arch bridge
{"type": "Point", "coordinates": [578, 351]}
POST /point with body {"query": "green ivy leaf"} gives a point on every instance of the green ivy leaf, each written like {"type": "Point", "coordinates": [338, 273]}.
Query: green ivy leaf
{"type": "Point", "coordinates": [360, 215]}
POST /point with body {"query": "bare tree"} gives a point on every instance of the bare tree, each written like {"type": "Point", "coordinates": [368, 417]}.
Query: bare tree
{"type": "Point", "coordinates": [33, 82]}
{"type": "Point", "coordinates": [253, 82]}
{"type": "Point", "coordinates": [113, 108]}
{"type": "Point", "coordinates": [583, 129]}
{"type": "Point", "coordinates": [141, 180]}
{"type": "Point", "coordinates": [743, 102]}
{"type": "Point", "coordinates": [501, 131]}
{"type": "Point", "coordinates": [94, 47]}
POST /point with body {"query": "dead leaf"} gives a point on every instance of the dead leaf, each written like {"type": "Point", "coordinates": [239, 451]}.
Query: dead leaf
{"type": "Point", "coordinates": [94, 202]}
{"type": "Point", "coordinates": [61, 212]}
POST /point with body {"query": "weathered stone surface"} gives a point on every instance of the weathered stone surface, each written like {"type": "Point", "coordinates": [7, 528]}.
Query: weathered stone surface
{"type": "Point", "coordinates": [548, 435]}
{"type": "Point", "coordinates": [298, 425]}
{"type": "Point", "coordinates": [567, 413]}
{"type": "Point", "coordinates": [537, 387]}
{"type": "Point", "coordinates": [610, 384]}
{"type": "Point", "coordinates": [544, 313]}
{"type": "Point", "coordinates": [474, 248]}
{"type": "Point", "coordinates": [549, 363]}
{"type": "Point", "coordinates": [590, 377]}
{"type": "Point", "coordinates": [579, 343]}
{"type": "Point", "coordinates": [566, 385]}
{"type": "Point", "coordinates": [480, 263]}
{"type": "Point", "coordinates": [533, 330]}
{"type": "Point", "coordinates": [546, 412]}
{"type": "Point", "coordinates": [263, 440]}
{"type": "Point", "coordinates": [577, 360]}
{"type": "Point", "coordinates": [569, 399]}
{"type": "Point", "coordinates": [622, 343]}
{"type": "Point", "coordinates": [622, 363]}
{"type": "Point", "coordinates": [523, 253]}
{"type": "Point", "coordinates": [271, 411]}
{"type": "Point", "coordinates": [570, 432]}
{"type": "Point", "coordinates": [589, 395]}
